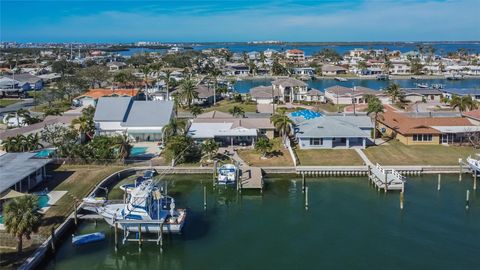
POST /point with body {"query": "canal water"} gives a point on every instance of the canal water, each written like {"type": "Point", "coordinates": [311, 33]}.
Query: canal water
{"type": "Point", "coordinates": [244, 86]}
{"type": "Point", "coordinates": [349, 225]}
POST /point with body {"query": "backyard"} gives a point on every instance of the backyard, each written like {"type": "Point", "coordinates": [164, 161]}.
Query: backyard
{"type": "Point", "coordinates": [226, 105]}
{"type": "Point", "coordinates": [328, 157]}
{"type": "Point", "coordinates": [8, 102]}
{"type": "Point", "coordinates": [396, 153]}
{"type": "Point", "coordinates": [278, 157]}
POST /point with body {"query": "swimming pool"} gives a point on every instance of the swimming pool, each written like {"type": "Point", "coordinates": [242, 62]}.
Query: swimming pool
{"type": "Point", "coordinates": [45, 153]}
{"type": "Point", "coordinates": [42, 202]}
{"type": "Point", "coordinates": [306, 114]}
{"type": "Point", "coordinates": [137, 151]}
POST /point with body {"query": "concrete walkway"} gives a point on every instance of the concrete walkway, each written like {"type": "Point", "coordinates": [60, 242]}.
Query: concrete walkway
{"type": "Point", "coordinates": [363, 156]}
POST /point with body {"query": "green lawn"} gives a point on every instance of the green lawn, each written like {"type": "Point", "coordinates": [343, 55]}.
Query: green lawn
{"type": "Point", "coordinates": [329, 157]}
{"type": "Point", "coordinates": [397, 153]}
{"type": "Point", "coordinates": [279, 156]}
{"type": "Point", "coordinates": [329, 107]}
{"type": "Point", "coordinates": [7, 102]}
{"type": "Point", "coordinates": [226, 105]}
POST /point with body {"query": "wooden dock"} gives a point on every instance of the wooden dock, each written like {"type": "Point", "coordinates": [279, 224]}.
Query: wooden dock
{"type": "Point", "coordinates": [386, 179]}
{"type": "Point", "coordinates": [250, 178]}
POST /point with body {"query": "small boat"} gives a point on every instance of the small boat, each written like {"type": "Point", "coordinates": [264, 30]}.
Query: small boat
{"type": "Point", "coordinates": [87, 238]}
{"type": "Point", "coordinates": [422, 85]}
{"type": "Point", "coordinates": [383, 77]}
{"type": "Point", "coordinates": [454, 77]}
{"type": "Point", "coordinates": [227, 174]}
{"type": "Point", "coordinates": [94, 200]}
{"type": "Point", "coordinates": [340, 79]}
{"type": "Point", "coordinates": [149, 174]}
{"type": "Point", "coordinates": [474, 164]}
{"type": "Point", "coordinates": [437, 86]}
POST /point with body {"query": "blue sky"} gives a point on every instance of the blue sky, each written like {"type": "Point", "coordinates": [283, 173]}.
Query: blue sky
{"type": "Point", "coordinates": [233, 20]}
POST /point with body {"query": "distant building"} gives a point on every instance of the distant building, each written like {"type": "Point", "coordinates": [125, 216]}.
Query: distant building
{"type": "Point", "coordinates": [331, 70]}
{"type": "Point", "coordinates": [114, 66]}
{"type": "Point", "coordinates": [343, 95]}
{"type": "Point", "coordinates": [26, 81]}
{"type": "Point", "coordinates": [295, 55]}
{"type": "Point", "coordinates": [91, 97]}
{"type": "Point", "coordinates": [140, 120]}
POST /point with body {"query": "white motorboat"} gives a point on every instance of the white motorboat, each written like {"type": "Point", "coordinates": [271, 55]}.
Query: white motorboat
{"type": "Point", "coordinates": [146, 206]}
{"type": "Point", "coordinates": [227, 174]}
{"type": "Point", "coordinates": [422, 85]}
{"type": "Point", "coordinates": [474, 164]}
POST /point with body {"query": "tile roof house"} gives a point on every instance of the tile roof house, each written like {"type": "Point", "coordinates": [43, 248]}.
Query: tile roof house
{"type": "Point", "coordinates": [290, 89]}
{"type": "Point", "coordinates": [205, 94]}
{"type": "Point", "coordinates": [265, 94]}
{"type": "Point", "coordinates": [411, 130]}
{"type": "Point", "coordinates": [228, 130]}
{"type": "Point", "coordinates": [333, 70]}
{"type": "Point", "coordinates": [91, 97]}
{"type": "Point", "coordinates": [140, 120]}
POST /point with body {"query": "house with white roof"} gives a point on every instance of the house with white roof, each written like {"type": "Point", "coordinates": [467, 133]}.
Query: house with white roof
{"type": "Point", "coordinates": [140, 120]}
{"type": "Point", "coordinates": [344, 95]}
{"type": "Point", "coordinates": [330, 132]}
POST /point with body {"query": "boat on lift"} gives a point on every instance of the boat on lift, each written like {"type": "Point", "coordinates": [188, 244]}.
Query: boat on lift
{"type": "Point", "coordinates": [454, 77]}
{"type": "Point", "coordinates": [227, 174]}
{"type": "Point", "coordinates": [383, 77]}
{"type": "Point", "coordinates": [145, 205]}
{"type": "Point", "coordinates": [340, 79]}
{"type": "Point", "coordinates": [473, 163]}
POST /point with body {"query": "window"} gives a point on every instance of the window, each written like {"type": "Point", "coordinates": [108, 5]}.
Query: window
{"type": "Point", "coordinates": [316, 141]}
{"type": "Point", "coordinates": [422, 137]}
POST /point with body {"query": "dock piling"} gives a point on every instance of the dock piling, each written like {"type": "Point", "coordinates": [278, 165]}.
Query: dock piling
{"type": "Point", "coordinates": [402, 198]}
{"type": "Point", "coordinates": [75, 212]}
{"type": "Point", "coordinates": [116, 236]}
{"type": "Point", "coordinates": [439, 182]}
{"type": "Point", "coordinates": [139, 237]}
{"type": "Point", "coordinates": [467, 200]}
{"type": "Point", "coordinates": [303, 182]}
{"type": "Point", "coordinates": [306, 198]}
{"type": "Point", "coordinates": [52, 240]}
{"type": "Point", "coordinates": [475, 180]}
{"type": "Point", "coordinates": [461, 170]}
{"type": "Point", "coordinates": [204, 198]}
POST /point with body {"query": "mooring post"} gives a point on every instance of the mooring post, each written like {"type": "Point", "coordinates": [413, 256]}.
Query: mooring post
{"type": "Point", "coordinates": [439, 182]}
{"type": "Point", "coordinates": [303, 182]}
{"type": "Point", "coordinates": [75, 212]}
{"type": "Point", "coordinates": [475, 180]}
{"type": "Point", "coordinates": [214, 171]}
{"type": "Point", "coordinates": [467, 200]}
{"type": "Point", "coordinates": [161, 234]}
{"type": "Point", "coordinates": [386, 185]}
{"type": "Point", "coordinates": [125, 196]}
{"type": "Point", "coordinates": [204, 198]}
{"type": "Point", "coordinates": [139, 237]}
{"type": "Point", "coordinates": [461, 169]}
{"type": "Point", "coordinates": [368, 174]}
{"type": "Point", "coordinates": [116, 236]}
{"type": "Point", "coordinates": [402, 198]}
{"type": "Point", "coordinates": [52, 240]}
{"type": "Point", "coordinates": [306, 198]}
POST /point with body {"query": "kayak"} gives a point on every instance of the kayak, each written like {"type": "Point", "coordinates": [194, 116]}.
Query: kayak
{"type": "Point", "coordinates": [88, 238]}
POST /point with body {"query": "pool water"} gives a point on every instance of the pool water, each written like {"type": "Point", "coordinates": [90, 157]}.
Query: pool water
{"type": "Point", "coordinates": [45, 153]}
{"type": "Point", "coordinates": [349, 225]}
{"type": "Point", "coordinates": [137, 151]}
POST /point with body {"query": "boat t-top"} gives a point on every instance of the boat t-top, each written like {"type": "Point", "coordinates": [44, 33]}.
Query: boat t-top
{"type": "Point", "coordinates": [473, 163]}
{"type": "Point", "coordinates": [227, 174]}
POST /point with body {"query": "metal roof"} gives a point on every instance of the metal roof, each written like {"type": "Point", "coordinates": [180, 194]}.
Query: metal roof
{"type": "Point", "coordinates": [149, 114]}
{"type": "Point", "coordinates": [113, 109]}
{"type": "Point", "coordinates": [16, 166]}
{"type": "Point", "coordinates": [329, 127]}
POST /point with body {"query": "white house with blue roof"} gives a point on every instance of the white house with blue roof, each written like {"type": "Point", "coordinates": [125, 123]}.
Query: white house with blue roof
{"type": "Point", "coordinates": [140, 120]}
{"type": "Point", "coordinates": [317, 131]}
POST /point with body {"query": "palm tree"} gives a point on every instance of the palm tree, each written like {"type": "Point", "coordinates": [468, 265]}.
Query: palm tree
{"type": "Point", "coordinates": [374, 109]}
{"type": "Point", "coordinates": [175, 127]}
{"type": "Point", "coordinates": [237, 111]}
{"type": "Point", "coordinates": [21, 218]}
{"type": "Point", "coordinates": [33, 141]}
{"type": "Point", "coordinates": [213, 75]}
{"type": "Point", "coordinates": [464, 103]}
{"type": "Point", "coordinates": [177, 102]}
{"type": "Point", "coordinates": [123, 146]}
{"type": "Point", "coordinates": [188, 92]}
{"type": "Point", "coordinates": [167, 76]}
{"type": "Point", "coordinates": [393, 90]}
{"type": "Point", "coordinates": [263, 145]}
{"type": "Point", "coordinates": [282, 124]}
{"type": "Point", "coordinates": [196, 110]}
{"type": "Point", "coordinates": [209, 148]}
{"type": "Point", "coordinates": [85, 125]}
{"type": "Point", "coordinates": [146, 70]}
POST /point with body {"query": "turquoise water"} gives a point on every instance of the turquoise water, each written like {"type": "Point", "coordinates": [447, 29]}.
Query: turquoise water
{"type": "Point", "coordinates": [45, 153]}
{"type": "Point", "coordinates": [245, 85]}
{"type": "Point", "coordinates": [349, 225]}
{"type": "Point", "coordinates": [136, 151]}
{"type": "Point", "coordinates": [42, 202]}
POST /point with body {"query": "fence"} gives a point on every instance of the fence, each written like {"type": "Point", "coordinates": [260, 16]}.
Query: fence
{"type": "Point", "coordinates": [292, 153]}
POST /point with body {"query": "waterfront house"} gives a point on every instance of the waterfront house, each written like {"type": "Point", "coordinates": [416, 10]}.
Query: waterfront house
{"type": "Point", "coordinates": [269, 53]}
{"type": "Point", "coordinates": [227, 130]}
{"type": "Point", "coordinates": [315, 95]}
{"type": "Point", "coordinates": [474, 93]}
{"type": "Point", "coordinates": [236, 69]}
{"type": "Point", "coordinates": [303, 71]}
{"type": "Point", "coordinates": [91, 97]}
{"type": "Point", "coordinates": [140, 120]}
{"type": "Point", "coordinates": [344, 95]}
{"type": "Point", "coordinates": [331, 70]}
{"type": "Point", "coordinates": [205, 94]}
{"type": "Point", "coordinates": [400, 67]}
{"type": "Point", "coordinates": [295, 55]}
{"type": "Point", "coordinates": [411, 130]}
{"type": "Point", "coordinates": [290, 89]}
{"type": "Point", "coordinates": [330, 132]}
{"type": "Point", "coordinates": [21, 171]}
{"type": "Point", "coordinates": [264, 94]}
{"type": "Point", "coordinates": [422, 95]}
